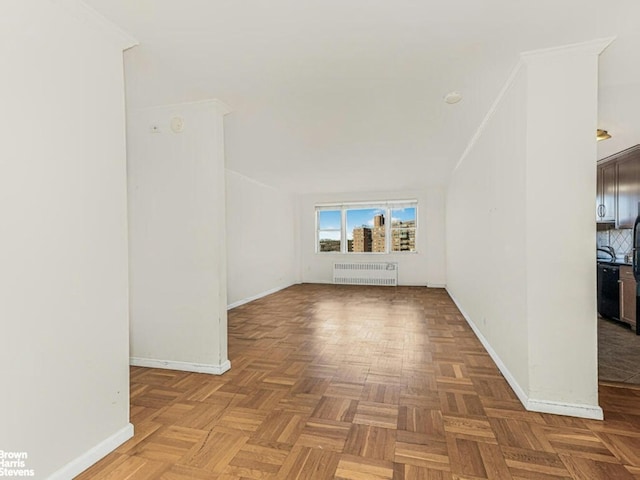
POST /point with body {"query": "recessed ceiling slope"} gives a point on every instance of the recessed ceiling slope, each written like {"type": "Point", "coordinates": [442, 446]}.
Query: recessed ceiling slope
{"type": "Point", "coordinates": [330, 95]}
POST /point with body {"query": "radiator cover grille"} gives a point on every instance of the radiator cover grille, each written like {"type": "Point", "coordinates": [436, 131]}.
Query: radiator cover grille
{"type": "Point", "coordinates": [378, 273]}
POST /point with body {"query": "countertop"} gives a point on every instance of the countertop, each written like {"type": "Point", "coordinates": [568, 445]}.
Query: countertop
{"type": "Point", "coordinates": [617, 261]}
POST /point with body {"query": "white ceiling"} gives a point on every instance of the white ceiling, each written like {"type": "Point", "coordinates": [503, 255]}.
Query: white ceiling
{"type": "Point", "coordinates": [340, 95]}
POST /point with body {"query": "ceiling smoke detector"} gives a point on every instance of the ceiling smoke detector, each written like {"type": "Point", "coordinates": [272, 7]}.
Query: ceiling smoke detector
{"type": "Point", "coordinates": [452, 97]}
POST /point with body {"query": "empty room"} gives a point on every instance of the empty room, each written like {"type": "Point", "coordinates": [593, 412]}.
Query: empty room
{"type": "Point", "coordinates": [316, 240]}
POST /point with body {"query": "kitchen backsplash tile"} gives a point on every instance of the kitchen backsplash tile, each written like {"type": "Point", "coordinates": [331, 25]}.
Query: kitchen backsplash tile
{"type": "Point", "coordinates": [620, 240]}
{"type": "Point", "coordinates": [602, 238]}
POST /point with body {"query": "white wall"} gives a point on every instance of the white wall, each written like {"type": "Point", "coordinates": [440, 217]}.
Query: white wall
{"type": "Point", "coordinates": [530, 171]}
{"type": "Point", "coordinates": [177, 238]}
{"type": "Point", "coordinates": [262, 252]}
{"type": "Point", "coordinates": [562, 112]}
{"type": "Point", "coordinates": [486, 232]}
{"type": "Point", "coordinates": [619, 78]}
{"type": "Point", "coordinates": [426, 267]}
{"type": "Point", "coordinates": [63, 254]}
{"type": "Point", "coordinates": [619, 114]}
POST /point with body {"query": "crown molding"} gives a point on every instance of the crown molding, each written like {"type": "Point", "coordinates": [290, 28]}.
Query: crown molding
{"type": "Point", "coordinates": [86, 14]}
{"type": "Point", "coordinates": [593, 47]}
{"type": "Point", "coordinates": [489, 115]}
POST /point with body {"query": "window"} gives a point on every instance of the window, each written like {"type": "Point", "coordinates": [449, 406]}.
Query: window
{"type": "Point", "coordinates": [329, 230]}
{"type": "Point", "coordinates": [403, 229]}
{"type": "Point", "coordinates": [365, 230]}
{"type": "Point", "coordinates": [380, 227]}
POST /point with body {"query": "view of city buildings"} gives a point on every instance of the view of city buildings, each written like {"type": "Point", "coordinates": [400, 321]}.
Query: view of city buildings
{"type": "Point", "coordinates": [370, 239]}
{"type": "Point", "coordinates": [361, 240]}
{"type": "Point", "coordinates": [329, 245]}
{"type": "Point", "coordinates": [367, 231]}
{"type": "Point", "coordinates": [403, 236]}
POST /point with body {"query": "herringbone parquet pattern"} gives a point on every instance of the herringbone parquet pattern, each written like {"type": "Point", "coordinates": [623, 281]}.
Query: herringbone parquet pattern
{"type": "Point", "coordinates": [360, 383]}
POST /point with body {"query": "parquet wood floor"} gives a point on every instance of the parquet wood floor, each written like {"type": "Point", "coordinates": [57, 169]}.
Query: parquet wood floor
{"type": "Point", "coordinates": [360, 383]}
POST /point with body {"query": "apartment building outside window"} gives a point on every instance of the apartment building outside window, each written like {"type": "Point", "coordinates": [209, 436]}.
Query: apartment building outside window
{"type": "Point", "coordinates": [372, 227]}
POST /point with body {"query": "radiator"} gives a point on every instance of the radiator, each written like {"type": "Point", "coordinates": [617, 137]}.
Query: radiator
{"type": "Point", "coordinates": [381, 273]}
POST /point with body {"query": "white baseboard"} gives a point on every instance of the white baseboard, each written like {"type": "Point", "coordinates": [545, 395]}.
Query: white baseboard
{"type": "Point", "coordinates": [568, 409]}
{"type": "Point", "coordinates": [531, 404]}
{"type": "Point", "coordinates": [93, 455]}
{"type": "Point", "coordinates": [182, 366]}
{"type": "Point", "coordinates": [259, 295]}
{"type": "Point", "coordinates": [513, 383]}
{"type": "Point", "coordinates": [330, 282]}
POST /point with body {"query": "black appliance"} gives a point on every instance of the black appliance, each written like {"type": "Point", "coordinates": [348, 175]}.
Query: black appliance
{"type": "Point", "coordinates": [636, 266]}
{"type": "Point", "coordinates": [609, 291]}
{"type": "Point", "coordinates": [636, 247]}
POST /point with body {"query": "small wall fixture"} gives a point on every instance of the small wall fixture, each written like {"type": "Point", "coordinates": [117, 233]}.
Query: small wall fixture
{"type": "Point", "coordinates": [602, 135]}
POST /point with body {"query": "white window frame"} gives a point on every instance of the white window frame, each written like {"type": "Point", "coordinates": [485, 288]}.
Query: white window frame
{"type": "Point", "coordinates": [341, 230]}
{"type": "Point", "coordinates": [386, 205]}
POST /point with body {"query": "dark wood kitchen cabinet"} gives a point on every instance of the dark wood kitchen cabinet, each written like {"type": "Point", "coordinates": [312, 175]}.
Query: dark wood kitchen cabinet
{"type": "Point", "coordinates": [627, 296]}
{"type": "Point", "coordinates": [618, 188]}
{"type": "Point", "coordinates": [606, 192]}
{"type": "Point", "coordinates": [628, 188]}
